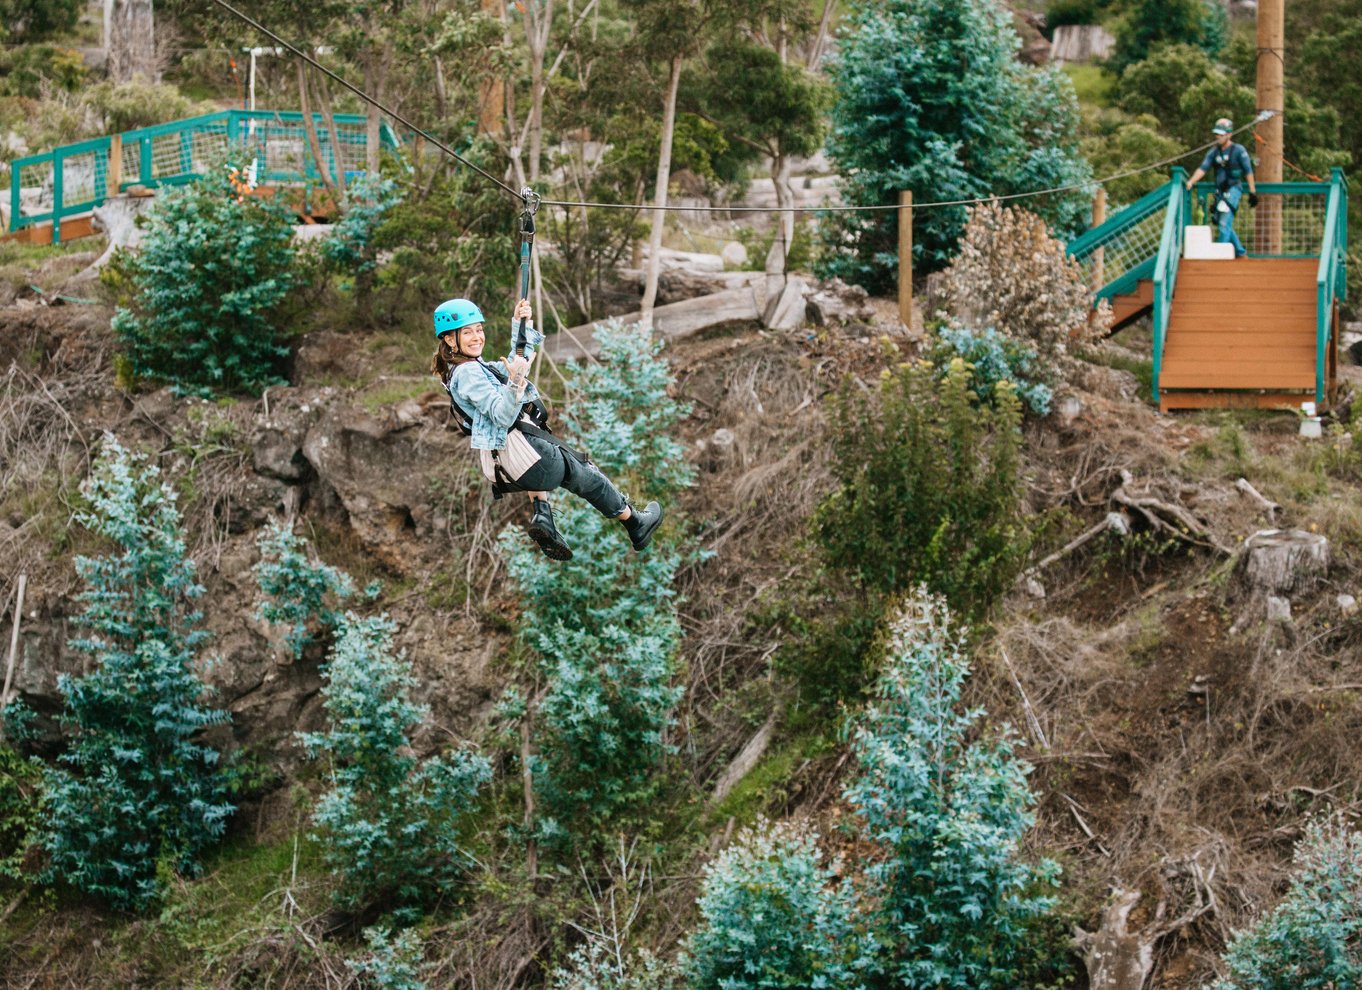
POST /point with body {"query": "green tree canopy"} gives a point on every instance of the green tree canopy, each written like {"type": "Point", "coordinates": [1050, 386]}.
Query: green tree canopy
{"type": "Point", "coordinates": [1151, 23]}
{"type": "Point", "coordinates": [931, 98]}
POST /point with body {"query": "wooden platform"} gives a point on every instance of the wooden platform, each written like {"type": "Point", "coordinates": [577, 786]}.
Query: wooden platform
{"type": "Point", "coordinates": [1241, 333]}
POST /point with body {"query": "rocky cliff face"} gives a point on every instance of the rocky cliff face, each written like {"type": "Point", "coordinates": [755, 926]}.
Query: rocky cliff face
{"type": "Point", "coordinates": [376, 488]}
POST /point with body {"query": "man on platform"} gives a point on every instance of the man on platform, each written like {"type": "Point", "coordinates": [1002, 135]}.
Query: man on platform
{"type": "Point", "coordinates": [1233, 168]}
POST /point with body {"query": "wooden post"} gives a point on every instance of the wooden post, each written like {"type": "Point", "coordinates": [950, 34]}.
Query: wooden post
{"type": "Point", "coordinates": [14, 641]}
{"type": "Point", "coordinates": [1099, 216]}
{"type": "Point", "coordinates": [115, 176]}
{"type": "Point", "coordinates": [1267, 218]}
{"type": "Point", "coordinates": [906, 258]}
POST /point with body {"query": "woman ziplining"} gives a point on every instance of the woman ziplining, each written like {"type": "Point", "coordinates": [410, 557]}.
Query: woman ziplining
{"type": "Point", "coordinates": [499, 409]}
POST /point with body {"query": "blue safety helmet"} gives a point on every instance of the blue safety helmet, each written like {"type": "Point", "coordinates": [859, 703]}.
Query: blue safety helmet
{"type": "Point", "coordinates": [455, 314]}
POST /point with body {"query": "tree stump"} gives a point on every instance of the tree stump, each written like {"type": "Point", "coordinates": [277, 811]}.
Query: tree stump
{"type": "Point", "coordinates": [1285, 560]}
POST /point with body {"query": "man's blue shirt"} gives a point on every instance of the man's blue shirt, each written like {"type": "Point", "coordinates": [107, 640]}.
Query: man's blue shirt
{"type": "Point", "coordinates": [1229, 164]}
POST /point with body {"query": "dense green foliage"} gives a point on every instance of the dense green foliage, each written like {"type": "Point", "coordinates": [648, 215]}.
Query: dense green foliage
{"type": "Point", "coordinates": [134, 794]}
{"type": "Point", "coordinates": [913, 112]}
{"type": "Point", "coordinates": [603, 626]}
{"type": "Point", "coordinates": [20, 787]}
{"type": "Point", "coordinates": [391, 824]}
{"type": "Point", "coordinates": [949, 806]}
{"type": "Point", "coordinates": [1148, 24]}
{"type": "Point", "coordinates": [207, 289]}
{"type": "Point", "coordinates": [448, 234]}
{"type": "Point", "coordinates": [773, 914]}
{"type": "Point", "coordinates": [1313, 938]}
{"type": "Point", "coordinates": [296, 591]}
{"type": "Point", "coordinates": [994, 359]}
{"type": "Point", "coordinates": [27, 21]}
{"type": "Point", "coordinates": [928, 487]}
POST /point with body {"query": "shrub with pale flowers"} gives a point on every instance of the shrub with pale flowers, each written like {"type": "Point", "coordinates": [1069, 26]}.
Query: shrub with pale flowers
{"type": "Point", "coordinates": [1013, 275]}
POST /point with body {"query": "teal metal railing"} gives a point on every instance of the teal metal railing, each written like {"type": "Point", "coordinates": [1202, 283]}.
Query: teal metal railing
{"type": "Point", "coordinates": [1117, 254]}
{"type": "Point", "coordinates": [75, 178]}
{"type": "Point", "coordinates": [1331, 278]}
{"type": "Point", "coordinates": [1177, 206]}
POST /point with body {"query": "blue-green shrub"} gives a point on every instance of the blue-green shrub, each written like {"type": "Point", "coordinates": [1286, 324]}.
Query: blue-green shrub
{"type": "Point", "coordinates": [350, 245]}
{"type": "Point", "coordinates": [948, 806]}
{"type": "Point", "coordinates": [296, 590]}
{"type": "Point", "coordinates": [773, 914]}
{"type": "Point", "coordinates": [134, 792]}
{"type": "Point", "coordinates": [1313, 938]}
{"type": "Point", "coordinates": [390, 825]}
{"type": "Point", "coordinates": [598, 965]}
{"type": "Point", "coordinates": [993, 359]}
{"type": "Point", "coordinates": [604, 624]}
{"type": "Point", "coordinates": [207, 287]}
{"type": "Point", "coordinates": [392, 963]}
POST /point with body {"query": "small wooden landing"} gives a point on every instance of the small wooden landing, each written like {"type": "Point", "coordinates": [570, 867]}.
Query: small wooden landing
{"type": "Point", "coordinates": [1126, 309]}
{"type": "Point", "coordinates": [1241, 334]}
{"type": "Point", "coordinates": [41, 233]}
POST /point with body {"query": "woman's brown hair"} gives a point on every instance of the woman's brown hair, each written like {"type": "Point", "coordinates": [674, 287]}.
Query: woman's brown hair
{"type": "Point", "coordinates": [445, 360]}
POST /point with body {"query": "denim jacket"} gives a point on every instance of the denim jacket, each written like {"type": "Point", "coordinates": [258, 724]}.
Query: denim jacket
{"type": "Point", "coordinates": [493, 406]}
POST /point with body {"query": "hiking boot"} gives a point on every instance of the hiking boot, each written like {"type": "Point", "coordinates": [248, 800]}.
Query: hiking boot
{"type": "Point", "coordinates": [641, 523]}
{"type": "Point", "coordinates": [545, 533]}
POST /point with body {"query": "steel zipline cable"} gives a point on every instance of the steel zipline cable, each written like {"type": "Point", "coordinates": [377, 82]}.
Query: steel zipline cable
{"type": "Point", "coordinates": [644, 207]}
{"type": "Point", "coordinates": [367, 98]}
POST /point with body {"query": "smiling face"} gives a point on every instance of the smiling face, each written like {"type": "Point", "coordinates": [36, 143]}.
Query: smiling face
{"type": "Point", "coordinates": [470, 339]}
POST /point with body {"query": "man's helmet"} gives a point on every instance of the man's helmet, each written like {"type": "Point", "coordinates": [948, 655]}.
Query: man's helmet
{"type": "Point", "coordinates": [1222, 126]}
{"type": "Point", "coordinates": [455, 314]}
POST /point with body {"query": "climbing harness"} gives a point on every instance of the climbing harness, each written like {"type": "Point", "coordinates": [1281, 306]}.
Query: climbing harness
{"type": "Point", "coordinates": [531, 201]}
{"type": "Point", "coordinates": [504, 467]}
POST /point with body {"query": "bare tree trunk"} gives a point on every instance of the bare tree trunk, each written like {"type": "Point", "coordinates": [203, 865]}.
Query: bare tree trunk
{"type": "Point", "coordinates": [310, 129]}
{"type": "Point", "coordinates": [664, 171]}
{"type": "Point", "coordinates": [527, 788]}
{"type": "Point", "coordinates": [537, 26]}
{"type": "Point", "coordinates": [778, 257]}
{"type": "Point", "coordinates": [375, 76]}
{"type": "Point", "coordinates": [132, 41]}
{"type": "Point", "coordinates": [492, 95]}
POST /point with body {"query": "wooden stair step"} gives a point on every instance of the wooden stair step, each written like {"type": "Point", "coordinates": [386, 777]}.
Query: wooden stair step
{"type": "Point", "coordinates": [1236, 378]}
{"type": "Point", "coordinates": [1234, 400]}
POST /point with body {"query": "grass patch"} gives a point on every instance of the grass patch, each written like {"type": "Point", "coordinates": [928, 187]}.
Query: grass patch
{"type": "Point", "coordinates": [21, 262]}
{"type": "Point", "coordinates": [389, 391]}
{"type": "Point", "coordinates": [767, 787]}
{"type": "Point", "coordinates": [1133, 363]}
{"type": "Point", "coordinates": [1093, 84]}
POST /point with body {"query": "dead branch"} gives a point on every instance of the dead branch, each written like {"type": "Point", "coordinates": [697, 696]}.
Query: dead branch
{"type": "Point", "coordinates": [1268, 506]}
{"type": "Point", "coordinates": [1116, 522]}
{"type": "Point", "coordinates": [1166, 517]}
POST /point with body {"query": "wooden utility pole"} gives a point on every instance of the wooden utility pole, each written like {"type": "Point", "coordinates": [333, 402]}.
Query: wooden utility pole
{"type": "Point", "coordinates": [906, 259]}
{"type": "Point", "coordinates": [1267, 220]}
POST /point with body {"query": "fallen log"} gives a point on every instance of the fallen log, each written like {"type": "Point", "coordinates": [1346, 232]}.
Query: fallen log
{"type": "Point", "coordinates": [671, 322]}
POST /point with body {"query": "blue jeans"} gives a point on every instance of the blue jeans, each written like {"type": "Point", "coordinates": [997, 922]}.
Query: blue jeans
{"type": "Point", "coordinates": [559, 469]}
{"type": "Point", "coordinates": [1225, 218]}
